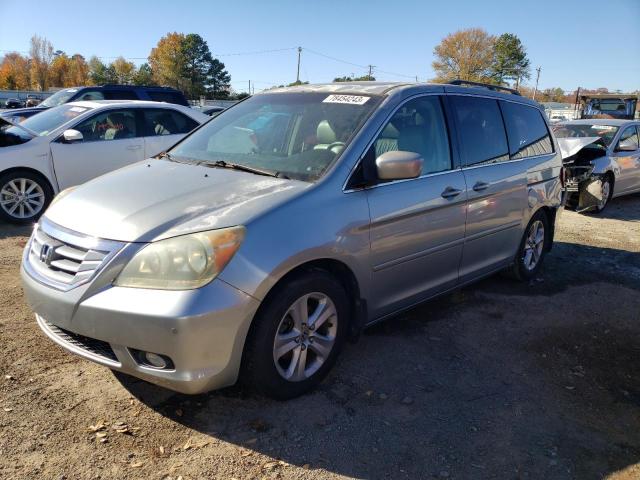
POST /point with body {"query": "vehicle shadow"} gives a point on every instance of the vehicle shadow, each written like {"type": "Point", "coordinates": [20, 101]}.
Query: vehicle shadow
{"type": "Point", "coordinates": [498, 380]}
{"type": "Point", "coordinates": [8, 230]}
{"type": "Point", "coordinates": [622, 208]}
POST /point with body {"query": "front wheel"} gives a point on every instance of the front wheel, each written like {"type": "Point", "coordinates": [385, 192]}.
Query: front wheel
{"type": "Point", "coordinates": [606, 190]}
{"type": "Point", "coordinates": [24, 196]}
{"type": "Point", "coordinates": [533, 247]}
{"type": "Point", "coordinates": [296, 336]}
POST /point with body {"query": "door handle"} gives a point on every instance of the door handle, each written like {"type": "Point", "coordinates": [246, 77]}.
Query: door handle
{"type": "Point", "coordinates": [134, 147]}
{"type": "Point", "coordinates": [450, 192]}
{"type": "Point", "coordinates": [479, 186]}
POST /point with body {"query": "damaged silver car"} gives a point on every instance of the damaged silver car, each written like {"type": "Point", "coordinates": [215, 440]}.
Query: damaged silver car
{"type": "Point", "coordinates": [602, 161]}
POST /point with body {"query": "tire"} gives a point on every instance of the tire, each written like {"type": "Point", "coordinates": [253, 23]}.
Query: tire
{"type": "Point", "coordinates": [607, 192]}
{"type": "Point", "coordinates": [533, 247]}
{"type": "Point", "coordinates": [35, 195]}
{"type": "Point", "coordinates": [281, 374]}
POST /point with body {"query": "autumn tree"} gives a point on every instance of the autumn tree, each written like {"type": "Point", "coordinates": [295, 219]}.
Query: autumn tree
{"type": "Point", "coordinates": [14, 72]}
{"type": "Point", "coordinates": [466, 55]}
{"type": "Point", "coordinates": [59, 70]}
{"type": "Point", "coordinates": [41, 53]}
{"type": "Point", "coordinates": [167, 60]}
{"type": "Point", "coordinates": [78, 71]}
{"type": "Point", "coordinates": [510, 62]}
{"type": "Point", "coordinates": [124, 71]}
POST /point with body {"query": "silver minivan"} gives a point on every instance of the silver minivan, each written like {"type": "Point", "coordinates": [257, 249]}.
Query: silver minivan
{"type": "Point", "coordinates": [257, 245]}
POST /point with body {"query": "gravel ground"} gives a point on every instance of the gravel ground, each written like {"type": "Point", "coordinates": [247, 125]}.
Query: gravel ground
{"type": "Point", "coordinates": [498, 380]}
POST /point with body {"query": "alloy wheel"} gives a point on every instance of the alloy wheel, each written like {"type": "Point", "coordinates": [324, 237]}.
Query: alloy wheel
{"type": "Point", "coordinates": [605, 191]}
{"type": "Point", "coordinates": [22, 198]}
{"type": "Point", "coordinates": [305, 337]}
{"type": "Point", "coordinates": [534, 245]}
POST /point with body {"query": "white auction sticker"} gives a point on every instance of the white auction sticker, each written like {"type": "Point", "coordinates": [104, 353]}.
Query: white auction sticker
{"type": "Point", "coordinates": [350, 99]}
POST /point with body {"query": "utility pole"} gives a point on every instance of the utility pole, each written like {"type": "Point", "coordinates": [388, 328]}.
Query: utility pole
{"type": "Point", "coordinates": [370, 72]}
{"type": "Point", "coordinates": [416, 78]}
{"type": "Point", "coordinates": [535, 90]}
{"type": "Point", "coordinates": [298, 74]}
{"type": "Point", "coordinates": [249, 92]}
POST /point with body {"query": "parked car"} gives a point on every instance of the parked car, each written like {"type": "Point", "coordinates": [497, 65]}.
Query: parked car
{"type": "Point", "coordinates": [104, 92]}
{"type": "Point", "coordinates": [75, 142]}
{"type": "Point", "coordinates": [602, 158]}
{"type": "Point", "coordinates": [13, 103]}
{"type": "Point", "coordinates": [265, 238]}
{"type": "Point", "coordinates": [32, 100]}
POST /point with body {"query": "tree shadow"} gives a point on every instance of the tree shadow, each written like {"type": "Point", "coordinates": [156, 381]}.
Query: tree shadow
{"type": "Point", "coordinates": [499, 379]}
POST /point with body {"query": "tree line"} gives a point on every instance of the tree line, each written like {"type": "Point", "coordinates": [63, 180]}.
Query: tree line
{"type": "Point", "coordinates": [178, 60]}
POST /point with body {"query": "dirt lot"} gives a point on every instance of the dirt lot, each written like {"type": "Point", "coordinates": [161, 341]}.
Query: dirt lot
{"type": "Point", "coordinates": [499, 380]}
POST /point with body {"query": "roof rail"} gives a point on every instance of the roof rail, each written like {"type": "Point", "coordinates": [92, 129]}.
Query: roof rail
{"type": "Point", "coordinates": [495, 88]}
{"type": "Point", "coordinates": [136, 86]}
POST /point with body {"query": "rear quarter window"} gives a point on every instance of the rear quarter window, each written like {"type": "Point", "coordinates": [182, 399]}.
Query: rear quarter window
{"type": "Point", "coordinates": [526, 130]}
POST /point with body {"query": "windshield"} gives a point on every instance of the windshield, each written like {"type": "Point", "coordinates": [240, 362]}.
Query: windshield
{"type": "Point", "coordinates": [59, 98]}
{"type": "Point", "coordinates": [44, 122]}
{"type": "Point", "coordinates": [606, 132]}
{"type": "Point", "coordinates": [297, 135]}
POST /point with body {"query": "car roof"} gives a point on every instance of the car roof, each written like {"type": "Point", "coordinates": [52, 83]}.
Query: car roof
{"type": "Point", "coordinates": [611, 122]}
{"type": "Point", "coordinates": [129, 103]}
{"type": "Point", "coordinates": [399, 88]}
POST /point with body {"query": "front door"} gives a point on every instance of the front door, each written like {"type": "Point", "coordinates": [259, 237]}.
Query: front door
{"type": "Point", "coordinates": [417, 225]}
{"type": "Point", "coordinates": [627, 162]}
{"type": "Point", "coordinates": [110, 141]}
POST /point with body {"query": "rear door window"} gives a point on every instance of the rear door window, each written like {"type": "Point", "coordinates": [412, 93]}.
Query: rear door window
{"type": "Point", "coordinates": [481, 130]}
{"type": "Point", "coordinates": [165, 121]}
{"type": "Point", "coordinates": [527, 131]}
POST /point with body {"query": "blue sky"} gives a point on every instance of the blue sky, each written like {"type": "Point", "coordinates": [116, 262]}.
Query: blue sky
{"type": "Point", "coordinates": [586, 43]}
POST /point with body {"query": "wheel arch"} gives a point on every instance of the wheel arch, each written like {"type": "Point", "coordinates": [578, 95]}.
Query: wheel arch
{"type": "Point", "coordinates": [347, 278]}
{"type": "Point", "coordinates": [32, 171]}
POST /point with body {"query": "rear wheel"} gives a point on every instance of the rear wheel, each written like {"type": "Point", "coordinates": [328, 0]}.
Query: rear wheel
{"type": "Point", "coordinates": [533, 247]}
{"type": "Point", "coordinates": [297, 336]}
{"type": "Point", "coordinates": [24, 196]}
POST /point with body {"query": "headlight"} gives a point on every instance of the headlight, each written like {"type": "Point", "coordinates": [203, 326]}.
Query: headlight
{"type": "Point", "coordinates": [182, 263]}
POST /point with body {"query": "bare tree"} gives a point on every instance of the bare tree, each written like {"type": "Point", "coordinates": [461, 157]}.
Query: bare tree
{"type": "Point", "coordinates": [41, 57]}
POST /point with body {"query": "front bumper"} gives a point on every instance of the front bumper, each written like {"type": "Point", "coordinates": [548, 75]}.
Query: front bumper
{"type": "Point", "coordinates": [202, 331]}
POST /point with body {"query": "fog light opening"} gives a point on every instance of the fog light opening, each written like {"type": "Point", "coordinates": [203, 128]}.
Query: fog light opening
{"type": "Point", "coordinates": [153, 360]}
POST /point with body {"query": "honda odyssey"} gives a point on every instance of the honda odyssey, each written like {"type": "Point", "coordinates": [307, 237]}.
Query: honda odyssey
{"type": "Point", "coordinates": [263, 240]}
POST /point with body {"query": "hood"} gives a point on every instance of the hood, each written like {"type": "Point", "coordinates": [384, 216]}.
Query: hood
{"type": "Point", "coordinates": [158, 199]}
{"type": "Point", "coordinates": [570, 146]}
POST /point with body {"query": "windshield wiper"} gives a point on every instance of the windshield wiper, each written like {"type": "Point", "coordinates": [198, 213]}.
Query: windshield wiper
{"type": "Point", "coordinates": [244, 168]}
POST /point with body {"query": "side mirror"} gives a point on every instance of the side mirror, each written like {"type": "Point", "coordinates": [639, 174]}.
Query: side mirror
{"type": "Point", "coordinates": [399, 165]}
{"type": "Point", "coordinates": [72, 136]}
{"type": "Point", "coordinates": [627, 146]}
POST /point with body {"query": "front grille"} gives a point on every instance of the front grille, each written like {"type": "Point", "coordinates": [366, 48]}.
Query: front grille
{"type": "Point", "coordinates": [65, 260]}
{"type": "Point", "coordinates": [91, 345]}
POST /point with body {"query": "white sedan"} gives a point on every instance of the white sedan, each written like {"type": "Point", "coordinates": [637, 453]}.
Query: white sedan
{"type": "Point", "coordinates": [75, 142]}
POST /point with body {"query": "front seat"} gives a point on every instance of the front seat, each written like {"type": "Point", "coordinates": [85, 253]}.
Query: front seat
{"type": "Point", "coordinates": [327, 139]}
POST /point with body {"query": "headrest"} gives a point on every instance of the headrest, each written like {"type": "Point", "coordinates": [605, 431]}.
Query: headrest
{"type": "Point", "coordinates": [325, 133]}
